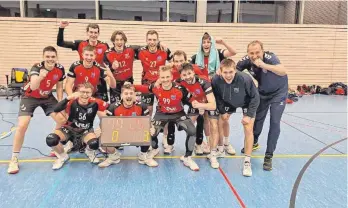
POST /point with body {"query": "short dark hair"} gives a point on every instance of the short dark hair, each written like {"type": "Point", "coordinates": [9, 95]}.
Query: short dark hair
{"type": "Point", "coordinates": [93, 25]}
{"type": "Point", "coordinates": [49, 48]}
{"type": "Point", "coordinates": [151, 32]}
{"type": "Point", "coordinates": [227, 63]}
{"type": "Point", "coordinates": [186, 67]}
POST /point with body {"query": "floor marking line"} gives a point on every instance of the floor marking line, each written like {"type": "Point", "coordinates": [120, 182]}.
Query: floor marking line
{"type": "Point", "coordinates": [299, 177]}
{"type": "Point", "coordinates": [177, 157]}
{"type": "Point", "coordinates": [241, 203]}
{"type": "Point", "coordinates": [310, 136]}
{"type": "Point", "coordinates": [314, 121]}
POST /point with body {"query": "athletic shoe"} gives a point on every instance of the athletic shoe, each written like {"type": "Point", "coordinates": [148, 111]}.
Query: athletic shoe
{"type": "Point", "coordinates": [206, 148]}
{"type": "Point", "coordinates": [113, 158]}
{"type": "Point", "coordinates": [247, 169]}
{"type": "Point", "coordinates": [229, 149]}
{"type": "Point", "coordinates": [145, 160]}
{"type": "Point", "coordinates": [92, 156]}
{"type": "Point", "coordinates": [60, 161]}
{"type": "Point", "coordinates": [188, 162]}
{"type": "Point", "coordinates": [255, 147]}
{"type": "Point", "coordinates": [168, 149]}
{"type": "Point", "coordinates": [198, 149]}
{"type": "Point", "coordinates": [13, 166]}
{"type": "Point", "coordinates": [153, 153]}
{"type": "Point", "coordinates": [213, 160]}
{"type": "Point", "coordinates": [267, 163]}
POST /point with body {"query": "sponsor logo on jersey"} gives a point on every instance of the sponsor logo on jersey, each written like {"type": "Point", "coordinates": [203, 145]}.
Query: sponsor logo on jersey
{"type": "Point", "coordinates": [127, 56]}
{"type": "Point", "coordinates": [134, 113]}
{"type": "Point", "coordinates": [55, 77]}
{"type": "Point", "coordinates": [100, 51]}
{"type": "Point", "coordinates": [173, 97]}
{"type": "Point", "coordinates": [93, 74]}
{"type": "Point", "coordinates": [89, 110]}
{"type": "Point", "coordinates": [236, 90]}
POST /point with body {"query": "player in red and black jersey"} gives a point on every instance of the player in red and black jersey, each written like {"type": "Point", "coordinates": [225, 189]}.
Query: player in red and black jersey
{"type": "Point", "coordinates": [171, 99]}
{"type": "Point", "coordinates": [179, 58]}
{"type": "Point", "coordinates": [93, 32]}
{"type": "Point", "coordinates": [127, 107]}
{"type": "Point", "coordinates": [120, 60]}
{"type": "Point", "coordinates": [152, 57]}
{"type": "Point", "coordinates": [38, 93]}
{"type": "Point", "coordinates": [88, 71]}
{"type": "Point", "coordinates": [81, 109]}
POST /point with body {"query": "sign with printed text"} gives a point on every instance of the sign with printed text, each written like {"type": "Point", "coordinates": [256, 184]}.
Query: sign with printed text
{"type": "Point", "coordinates": [125, 131]}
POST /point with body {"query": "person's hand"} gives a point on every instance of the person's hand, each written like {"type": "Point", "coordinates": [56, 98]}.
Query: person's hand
{"type": "Point", "coordinates": [195, 104]}
{"type": "Point", "coordinates": [157, 83]}
{"type": "Point", "coordinates": [115, 65]}
{"type": "Point", "coordinates": [43, 73]}
{"type": "Point", "coordinates": [219, 40]}
{"type": "Point", "coordinates": [259, 63]}
{"type": "Point", "coordinates": [63, 24]}
{"type": "Point", "coordinates": [75, 95]}
{"type": "Point", "coordinates": [224, 116]}
{"type": "Point", "coordinates": [246, 120]}
{"type": "Point", "coordinates": [152, 130]}
{"type": "Point", "coordinates": [201, 111]}
{"type": "Point", "coordinates": [218, 72]}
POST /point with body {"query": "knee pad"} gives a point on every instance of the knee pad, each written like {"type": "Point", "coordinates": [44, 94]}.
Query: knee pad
{"type": "Point", "coordinates": [52, 140]}
{"type": "Point", "coordinates": [93, 144]}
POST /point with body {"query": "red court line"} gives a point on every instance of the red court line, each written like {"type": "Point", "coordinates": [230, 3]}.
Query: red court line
{"type": "Point", "coordinates": [241, 203]}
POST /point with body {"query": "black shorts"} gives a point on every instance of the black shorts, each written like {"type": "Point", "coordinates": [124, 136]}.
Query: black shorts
{"type": "Point", "coordinates": [76, 137]}
{"type": "Point", "coordinates": [148, 99]}
{"type": "Point", "coordinates": [102, 90]}
{"type": "Point", "coordinates": [28, 105]}
{"type": "Point", "coordinates": [161, 119]}
{"type": "Point", "coordinates": [229, 110]}
{"type": "Point", "coordinates": [195, 112]}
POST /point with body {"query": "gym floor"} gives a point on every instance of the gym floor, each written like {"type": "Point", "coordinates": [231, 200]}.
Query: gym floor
{"type": "Point", "coordinates": [308, 126]}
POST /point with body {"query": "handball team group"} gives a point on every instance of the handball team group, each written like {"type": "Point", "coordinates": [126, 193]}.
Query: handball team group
{"type": "Point", "coordinates": [210, 83]}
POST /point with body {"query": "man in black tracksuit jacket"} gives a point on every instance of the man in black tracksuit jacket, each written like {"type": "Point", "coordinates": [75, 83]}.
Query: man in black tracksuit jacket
{"type": "Point", "coordinates": [271, 75]}
{"type": "Point", "coordinates": [233, 89]}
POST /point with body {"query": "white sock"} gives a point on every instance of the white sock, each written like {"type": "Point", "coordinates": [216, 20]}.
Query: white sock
{"type": "Point", "coordinates": [221, 148]}
{"type": "Point", "coordinates": [226, 141]}
{"type": "Point", "coordinates": [62, 155]}
{"type": "Point", "coordinates": [15, 154]}
{"type": "Point", "coordinates": [247, 158]}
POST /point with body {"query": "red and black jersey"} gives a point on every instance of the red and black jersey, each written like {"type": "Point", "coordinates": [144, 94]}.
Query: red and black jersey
{"type": "Point", "coordinates": [82, 117]}
{"type": "Point", "coordinates": [83, 74]}
{"type": "Point", "coordinates": [125, 60]}
{"type": "Point", "coordinates": [100, 48]}
{"type": "Point", "coordinates": [118, 109]}
{"type": "Point", "coordinates": [203, 74]}
{"type": "Point", "coordinates": [169, 101]}
{"type": "Point", "coordinates": [199, 89]}
{"type": "Point", "coordinates": [57, 74]}
{"type": "Point", "coordinates": [175, 73]}
{"type": "Point", "coordinates": [151, 63]}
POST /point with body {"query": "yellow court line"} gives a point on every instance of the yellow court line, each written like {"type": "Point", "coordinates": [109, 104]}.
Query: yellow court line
{"type": "Point", "coordinates": [177, 157]}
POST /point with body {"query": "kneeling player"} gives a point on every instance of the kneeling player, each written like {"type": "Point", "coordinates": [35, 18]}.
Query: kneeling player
{"type": "Point", "coordinates": [127, 107]}
{"type": "Point", "coordinates": [233, 90]}
{"type": "Point", "coordinates": [82, 110]}
{"type": "Point", "coordinates": [171, 99]}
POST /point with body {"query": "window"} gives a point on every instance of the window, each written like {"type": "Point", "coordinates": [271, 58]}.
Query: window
{"type": "Point", "coordinates": [182, 11]}
{"type": "Point", "coordinates": [220, 11]}
{"type": "Point", "coordinates": [133, 10]}
{"type": "Point", "coordinates": [61, 9]}
{"type": "Point", "coordinates": [282, 12]}
{"type": "Point", "coordinates": [325, 12]}
{"type": "Point", "coordinates": [9, 8]}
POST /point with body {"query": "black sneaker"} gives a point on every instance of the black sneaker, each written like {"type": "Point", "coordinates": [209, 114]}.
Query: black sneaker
{"type": "Point", "coordinates": [267, 164]}
{"type": "Point", "coordinates": [255, 147]}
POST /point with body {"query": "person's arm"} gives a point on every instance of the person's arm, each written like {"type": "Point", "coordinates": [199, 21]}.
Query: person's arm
{"type": "Point", "coordinates": [64, 103]}
{"type": "Point", "coordinates": [244, 63]}
{"type": "Point", "coordinates": [36, 76]}
{"type": "Point", "coordinates": [217, 95]}
{"type": "Point", "coordinates": [253, 93]}
{"type": "Point", "coordinates": [143, 88]}
{"type": "Point", "coordinates": [225, 53]}
{"type": "Point", "coordinates": [70, 80]}
{"type": "Point", "coordinates": [108, 76]}
{"type": "Point", "coordinates": [271, 63]}
{"type": "Point", "coordinates": [211, 105]}
{"type": "Point", "coordinates": [60, 37]}
{"type": "Point", "coordinates": [59, 89]}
